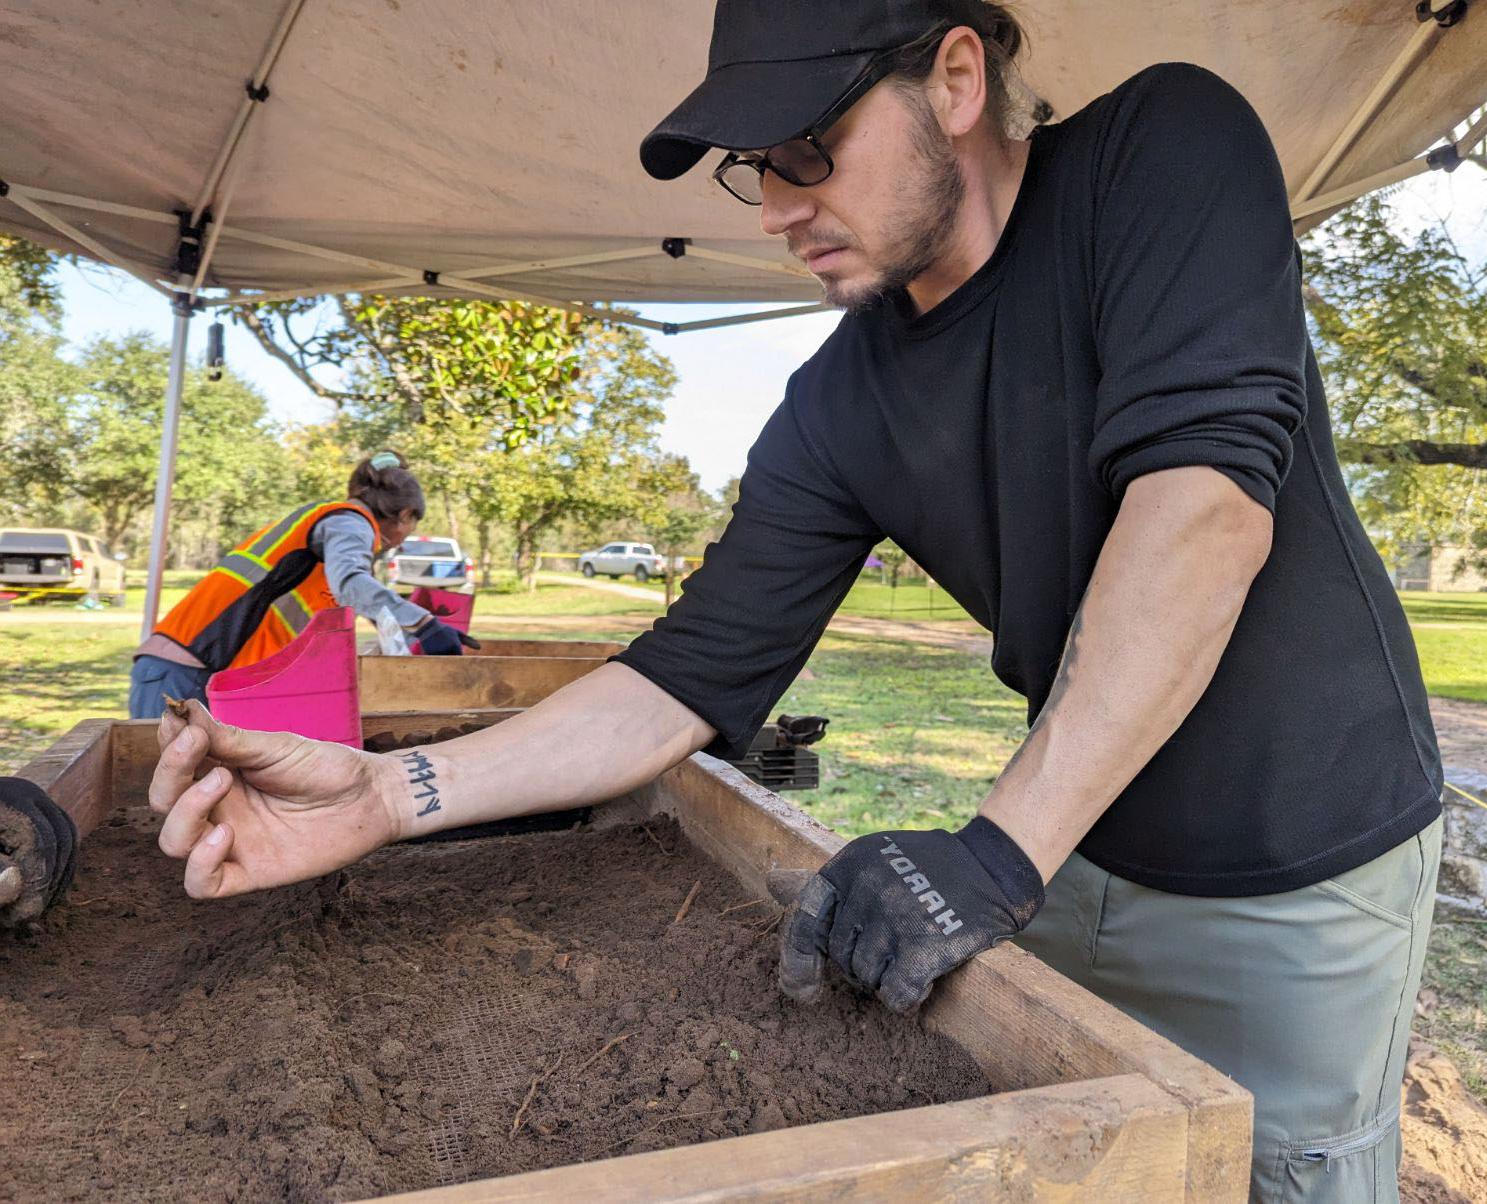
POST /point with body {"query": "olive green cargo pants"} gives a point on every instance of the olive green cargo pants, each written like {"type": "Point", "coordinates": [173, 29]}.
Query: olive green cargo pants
{"type": "Point", "coordinates": [1304, 997]}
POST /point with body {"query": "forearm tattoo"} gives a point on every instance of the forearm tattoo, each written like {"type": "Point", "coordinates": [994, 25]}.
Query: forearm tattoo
{"type": "Point", "coordinates": [421, 775]}
{"type": "Point", "coordinates": [1059, 689]}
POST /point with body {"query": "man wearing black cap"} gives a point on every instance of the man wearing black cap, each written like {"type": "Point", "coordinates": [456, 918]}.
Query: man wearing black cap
{"type": "Point", "coordinates": [1074, 383]}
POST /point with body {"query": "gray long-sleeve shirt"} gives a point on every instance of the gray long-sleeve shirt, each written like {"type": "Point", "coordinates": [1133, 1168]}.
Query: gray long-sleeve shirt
{"type": "Point", "coordinates": [344, 542]}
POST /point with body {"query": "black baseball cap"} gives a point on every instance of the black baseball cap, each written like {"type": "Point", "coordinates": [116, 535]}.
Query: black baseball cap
{"type": "Point", "coordinates": [774, 66]}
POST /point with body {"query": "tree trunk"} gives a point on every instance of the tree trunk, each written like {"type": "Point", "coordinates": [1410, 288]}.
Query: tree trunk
{"type": "Point", "coordinates": [1417, 451]}
{"type": "Point", "coordinates": [526, 557]}
{"type": "Point", "coordinates": [449, 516]}
{"type": "Point", "coordinates": [670, 554]}
{"type": "Point", "coordinates": [484, 532]}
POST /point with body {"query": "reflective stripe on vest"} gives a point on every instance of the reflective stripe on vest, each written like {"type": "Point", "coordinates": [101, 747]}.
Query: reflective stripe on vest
{"type": "Point", "coordinates": [261, 594]}
{"type": "Point", "coordinates": [244, 567]}
{"type": "Point", "coordinates": [293, 610]}
{"type": "Point", "coordinates": [264, 545]}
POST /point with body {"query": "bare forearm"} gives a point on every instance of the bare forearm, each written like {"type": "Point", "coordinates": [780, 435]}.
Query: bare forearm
{"type": "Point", "coordinates": [608, 732]}
{"type": "Point", "coordinates": [1157, 616]}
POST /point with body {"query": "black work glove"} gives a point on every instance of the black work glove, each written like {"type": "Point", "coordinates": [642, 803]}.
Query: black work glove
{"type": "Point", "coordinates": [38, 851]}
{"type": "Point", "coordinates": [895, 910]}
{"type": "Point", "coordinates": [440, 639]}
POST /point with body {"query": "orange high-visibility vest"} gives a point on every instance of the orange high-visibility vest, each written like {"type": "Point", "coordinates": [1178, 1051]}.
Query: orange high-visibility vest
{"type": "Point", "coordinates": [261, 594]}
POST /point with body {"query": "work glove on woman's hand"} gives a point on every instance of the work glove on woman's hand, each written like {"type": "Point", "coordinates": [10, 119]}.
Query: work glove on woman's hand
{"type": "Point", "coordinates": [895, 910]}
{"type": "Point", "coordinates": [438, 638]}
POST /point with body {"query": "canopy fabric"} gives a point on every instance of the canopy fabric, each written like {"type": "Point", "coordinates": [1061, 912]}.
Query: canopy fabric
{"type": "Point", "coordinates": [413, 136]}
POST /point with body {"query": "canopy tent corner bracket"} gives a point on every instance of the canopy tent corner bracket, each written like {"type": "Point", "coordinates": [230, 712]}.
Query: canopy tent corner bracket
{"type": "Point", "coordinates": [1444, 17]}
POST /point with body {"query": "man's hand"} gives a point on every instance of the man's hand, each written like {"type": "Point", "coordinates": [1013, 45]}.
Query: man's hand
{"type": "Point", "coordinates": [895, 910]}
{"type": "Point", "coordinates": [277, 808]}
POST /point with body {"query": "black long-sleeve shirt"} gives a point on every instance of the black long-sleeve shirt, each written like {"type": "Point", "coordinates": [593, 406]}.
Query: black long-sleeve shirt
{"type": "Point", "coordinates": [1142, 311]}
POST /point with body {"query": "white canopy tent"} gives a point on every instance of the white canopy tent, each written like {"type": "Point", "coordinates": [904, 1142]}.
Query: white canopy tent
{"type": "Point", "coordinates": [227, 151]}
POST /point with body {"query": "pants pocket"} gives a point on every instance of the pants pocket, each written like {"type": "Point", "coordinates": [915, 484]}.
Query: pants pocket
{"type": "Point", "coordinates": [1360, 1167]}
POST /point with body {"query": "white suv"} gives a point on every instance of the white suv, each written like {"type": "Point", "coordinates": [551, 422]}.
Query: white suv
{"type": "Point", "coordinates": [617, 559]}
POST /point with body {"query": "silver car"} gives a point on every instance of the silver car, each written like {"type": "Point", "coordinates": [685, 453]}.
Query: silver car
{"type": "Point", "coordinates": [434, 562]}
{"type": "Point", "coordinates": [617, 559]}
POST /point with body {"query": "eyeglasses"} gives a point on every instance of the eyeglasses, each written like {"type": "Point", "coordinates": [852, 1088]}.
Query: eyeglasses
{"type": "Point", "coordinates": [801, 160]}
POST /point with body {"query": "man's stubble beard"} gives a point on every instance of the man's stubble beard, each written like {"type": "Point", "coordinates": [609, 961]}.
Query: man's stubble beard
{"type": "Point", "coordinates": [929, 203]}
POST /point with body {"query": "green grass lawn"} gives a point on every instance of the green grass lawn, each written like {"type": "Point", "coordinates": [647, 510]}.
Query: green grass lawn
{"type": "Point", "coordinates": [917, 733]}
{"type": "Point", "coordinates": [869, 598]}
{"type": "Point", "coordinates": [1451, 636]}
{"type": "Point", "coordinates": [552, 598]}
{"type": "Point", "coordinates": [913, 600]}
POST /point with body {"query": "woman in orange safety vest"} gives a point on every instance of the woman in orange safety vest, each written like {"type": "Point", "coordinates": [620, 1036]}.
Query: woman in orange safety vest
{"type": "Point", "coordinates": [264, 592]}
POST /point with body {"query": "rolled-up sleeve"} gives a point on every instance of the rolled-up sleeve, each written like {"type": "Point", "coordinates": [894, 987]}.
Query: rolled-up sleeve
{"type": "Point", "coordinates": [1198, 319]}
{"type": "Point", "coordinates": [749, 617]}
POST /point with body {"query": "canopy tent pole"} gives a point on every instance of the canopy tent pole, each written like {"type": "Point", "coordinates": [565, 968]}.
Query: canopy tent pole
{"type": "Point", "coordinates": [256, 92]}
{"type": "Point", "coordinates": [21, 198]}
{"type": "Point", "coordinates": [166, 472]}
{"type": "Point", "coordinates": [1434, 159]}
{"type": "Point", "coordinates": [1424, 36]}
{"type": "Point", "coordinates": [761, 315]}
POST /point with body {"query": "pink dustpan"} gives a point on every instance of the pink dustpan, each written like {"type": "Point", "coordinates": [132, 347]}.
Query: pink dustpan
{"type": "Point", "coordinates": [308, 687]}
{"type": "Point", "coordinates": [446, 606]}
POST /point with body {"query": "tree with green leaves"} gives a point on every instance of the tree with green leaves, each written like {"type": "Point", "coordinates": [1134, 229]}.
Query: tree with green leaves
{"type": "Point", "coordinates": [35, 381]}
{"type": "Point", "coordinates": [405, 363]}
{"type": "Point", "coordinates": [893, 558]}
{"type": "Point", "coordinates": [230, 468]}
{"type": "Point", "coordinates": [1400, 328]}
{"type": "Point", "coordinates": [28, 281]}
{"type": "Point", "coordinates": [602, 464]}
{"type": "Point", "coordinates": [684, 516]}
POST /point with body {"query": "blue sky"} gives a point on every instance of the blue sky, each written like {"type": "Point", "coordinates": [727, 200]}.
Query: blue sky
{"type": "Point", "coordinates": [730, 379]}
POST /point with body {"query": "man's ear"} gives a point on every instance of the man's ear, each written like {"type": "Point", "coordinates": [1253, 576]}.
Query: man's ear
{"type": "Point", "coordinates": [957, 83]}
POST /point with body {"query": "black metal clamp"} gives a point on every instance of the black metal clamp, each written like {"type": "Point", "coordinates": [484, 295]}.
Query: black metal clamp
{"type": "Point", "coordinates": [188, 250]}
{"type": "Point", "coordinates": [431, 278]}
{"type": "Point", "coordinates": [256, 92]}
{"type": "Point", "coordinates": [675, 247]}
{"type": "Point", "coordinates": [1444, 158]}
{"type": "Point", "coordinates": [1444, 17]}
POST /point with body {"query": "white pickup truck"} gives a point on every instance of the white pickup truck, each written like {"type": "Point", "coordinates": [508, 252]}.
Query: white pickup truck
{"type": "Point", "coordinates": [434, 562]}
{"type": "Point", "coordinates": [56, 562]}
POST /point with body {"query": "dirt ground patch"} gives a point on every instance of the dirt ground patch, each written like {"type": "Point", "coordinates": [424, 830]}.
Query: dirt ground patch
{"type": "Point", "coordinates": [1461, 728]}
{"type": "Point", "coordinates": [388, 1028]}
{"type": "Point", "coordinates": [1445, 1134]}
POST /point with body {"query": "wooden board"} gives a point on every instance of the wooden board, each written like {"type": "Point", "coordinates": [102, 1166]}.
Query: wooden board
{"type": "Point", "coordinates": [596, 649]}
{"type": "Point", "coordinates": [402, 724]}
{"type": "Point", "coordinates": [77, 772]}
{"type": "Point", "coordinates": [1093, 1105]}
{"type": "Point", "coordinates": [1115, 1141]}
{"type": "Point", "coordinates": [448, 683]}
{"type": "Point", "coordinates": [1027, 1025]}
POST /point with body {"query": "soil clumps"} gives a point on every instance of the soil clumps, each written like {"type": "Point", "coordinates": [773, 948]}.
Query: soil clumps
{"type": "Point", "coordinates": [438, 1013]}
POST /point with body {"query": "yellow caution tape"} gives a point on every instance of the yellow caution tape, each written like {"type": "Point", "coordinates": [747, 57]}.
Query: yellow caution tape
{"type": "Point", "coordinates": [1471, 798]}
